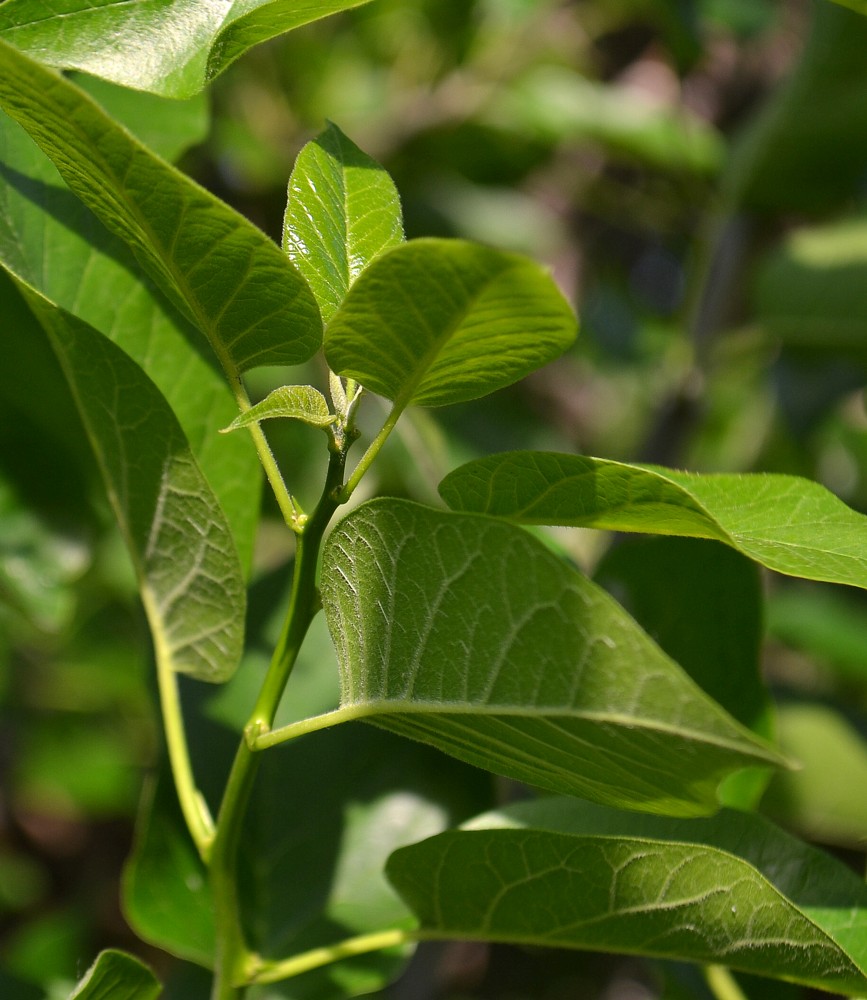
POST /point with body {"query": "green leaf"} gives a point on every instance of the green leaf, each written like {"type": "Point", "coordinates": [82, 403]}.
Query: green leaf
{"type": "Point", "coordinates": [225, 275]}
{"type": "Point", "coordinates": [166, 894]}
{"type": "Point", "coordinates": [173, 49]}
{"type": "Point", "coordinates": [469, 634]}
{"type": "Point", "coordinates": [708, 619]}
{"type": "Point", "coordinates": [115, 975]}
{"type": "Point", "coordinates": [180, 543]}
{"type": "Point", "coordinates": [434, 321]}
{"type": "Point", "coordinates": [788, 524]}
{"type": "Point", "coordinates": [52, 242]}
{"type": "Point", "coordinates": [296, 402]}
{"type": "Point", "coordinates": [343, 210]}
{"type": "Point", "coordinates": [732, 889]}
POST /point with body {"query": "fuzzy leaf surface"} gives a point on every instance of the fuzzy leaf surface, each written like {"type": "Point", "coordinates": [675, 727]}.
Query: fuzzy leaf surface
{"type": "Point", "coordinates": [222, 272]}
{"type": "Point", "coordinates": [343, 210]}
{"type": "Point", "coordinates": [51, 241]}
{"type": "Point", "coordinates": [434, 321]}
{"type": "Point", "coordinates": [731, 889]}
{"type": "Point", "coordinates": [115, 975]}
{"type": "Point", "coordinates": [467, 633]}
{"type": "Point", "coordinates": [181, 545]}
{"type": "Point", "coordinates": [173, 49]}
{"type": "Point", "coordinates": [295, 402]}
{"type": "Point", "coordinates": [788, 524]}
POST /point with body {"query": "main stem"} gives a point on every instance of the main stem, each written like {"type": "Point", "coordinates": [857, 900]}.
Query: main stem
{"type": "Point", "coordinates": [233, 957]}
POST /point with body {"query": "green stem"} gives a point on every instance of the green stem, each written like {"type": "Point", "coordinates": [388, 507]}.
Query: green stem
{"type": "Point", "coordinates": [193, 806]}
{"type": "Point", "coordinates": [371, 453]}
{"type": "Point", "coordinates": [261, 740]}
{"type": "Point", "coordinates": [274, 972]}
{"type": "Point", "coordinates": [722, 983]}
{"type": "Point", "coordinates": [233, 956]}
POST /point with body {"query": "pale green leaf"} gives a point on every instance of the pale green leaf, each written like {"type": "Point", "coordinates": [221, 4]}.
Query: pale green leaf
{"type": "Point", "coordinates": [115, 975]}
{"type": "Point", "coordinates": [732, 890]}
{"type": "Point", "coordinates": [788, 524]}
{"type": "Point", "coordinates": [173, 49]}
{"type": "Point", "coordinates": [343, 210]}
{"type": "Point", "coordinates": [180, 543]}
{"type": "Point", "coordinates": [295, 402]}
{"type": "Point", "coordinates": [469, 634]}
{"type": "Point", "coordinates": [225, 275]}
{"type": "Point", "coordinates": [50, 240]}
{"type": "Point", "coordinates": [435, 321]}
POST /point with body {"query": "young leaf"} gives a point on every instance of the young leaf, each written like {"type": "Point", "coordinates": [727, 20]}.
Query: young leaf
{"type": "Point", "coordinates": [50, 240]}
{"type": "Point", "coordinates": [343, 210]}
{"type": "Point", "coordinates": [225, 275]}
{"type": "Point", "coordinates": [172, 49]}
{"type": "Point", "coordinates": [115, 975]}
{"type": "Point", "coordinates": [788, 524]}
{"type": "Point", "coordinates": [434, 321]}
{"type": "Point", "coordinates": [296, 402]}
{"type": "Point", "coordinates": [732, 890]}
{"type": "Point", "coordinates": [467, 633]}
{"type": "Point", "coordinates": [180, 543]}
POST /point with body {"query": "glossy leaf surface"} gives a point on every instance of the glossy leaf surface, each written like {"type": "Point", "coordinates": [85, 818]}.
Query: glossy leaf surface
{"type": "Point", "coordinates": [468, 634]}
{"type": "Point", "coordinates": [180, 543]}
{"type": "Point", "coordinates": [343, 211]}
{"type": "Point", "coordinates": [436, 321]}
{"type": "Point", "coordinates": [788, 524]}
{"type": "Point", "coordinates": [295, 402]}
{"type": "Point", "coordinates": [52, 242]}
{"type": "Point", "coordinates": [223, 274]}
{"type": "Point", "coordinates": [732, 889]}
{"type": "Point", "coordinates": [115, 975]}
{"type": "Point", "coordinates": [172, 49]}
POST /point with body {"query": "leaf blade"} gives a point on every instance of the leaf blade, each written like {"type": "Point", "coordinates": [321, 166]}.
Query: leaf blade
{"type": "Point", "coordinates": [433, 322]}
{"type": "Point", "coordinates": [519, 665]}
{"type": "Point", "coordinates": [790, 525]}
{"type": "Point", "coordinates": [115, 975]}
{"type": "Point", "coordinates": [292, 402]}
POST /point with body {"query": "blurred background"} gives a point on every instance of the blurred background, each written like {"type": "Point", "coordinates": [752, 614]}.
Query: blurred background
{"type": "Point", "coordinates": [694, 173]}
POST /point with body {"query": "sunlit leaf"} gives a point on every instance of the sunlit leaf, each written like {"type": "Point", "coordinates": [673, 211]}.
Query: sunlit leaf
{"type": "Point", "coordinates": [788, 524]}
{"type": "Point", "coordinates": [172, 48]}
{"type": "Point", "coordinates": [223, 274]}
{"type": "Point", "coordinates": [115, 975]}
{"type": "Point", "coordinates": [343, 211]}
{"type": "Point", "coordinates": [295, 402]}
{"type": "Point", "coordinates": [437, 321]}
{"type": "Point", "coordinates": [177, 535]}
{"type": "Point", "coordinates": [469, 634]}
{"type": "Point", "coordinates": [732, 889]}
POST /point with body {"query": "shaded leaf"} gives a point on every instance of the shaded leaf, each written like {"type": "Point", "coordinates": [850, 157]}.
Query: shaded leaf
{"type": "Point", "coordinates": [115, 975]}
{"type": "Point", "coordinates": [166, 893]}
{"type": "Point", "coordinates": [51, 240]}
{"type": "Point", "coordinates": [434, 321]}
{"type": "Point", "coordinates": [223, 274]}
{"type": "Point", "coordinates": [788, 524]}
{"type": "Point", "coordinates": [732, 889]}
{"type": "Point", "coordinates": [180, 543]}
{"type": "Point", "coordinates": [469, 634]}
{"type": "Point", "coordinates": [343, 210]}
{"type": "Point", "coordinates": [172, 49]}
{"type": "Point", "coordinates": [296, 402]}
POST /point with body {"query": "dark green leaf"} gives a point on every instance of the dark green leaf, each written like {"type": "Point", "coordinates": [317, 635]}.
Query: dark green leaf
{"type": "Point", "coordinates": [172, 49]}
{"type": "Point", "coordinates": [115, 975]}
{"type": "Point", "coordinates": [181, 545]}
{"type": "Point", "coordinates": [732, 889]}
{"type": "Point", "coordinates": [788, 524]}
{"type": "Point", "coordinates": [296, 402]}
{"type": "Point", "coordinates": [223, 273]}
{"type": "Point", "coordinates": [467, 633]}
{"type": "Point", "coordinates": [343, 211]}
{"type": "Point", "coordinates": [166, 894]}
{"type": "Point", "coordinates": [52, 242]}
{"type": "Point", "coordinates": [435, 321]}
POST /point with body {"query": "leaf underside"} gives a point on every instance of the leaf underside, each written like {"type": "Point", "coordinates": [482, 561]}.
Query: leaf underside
{"type": "Point", "coordinates": [115, 975]}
